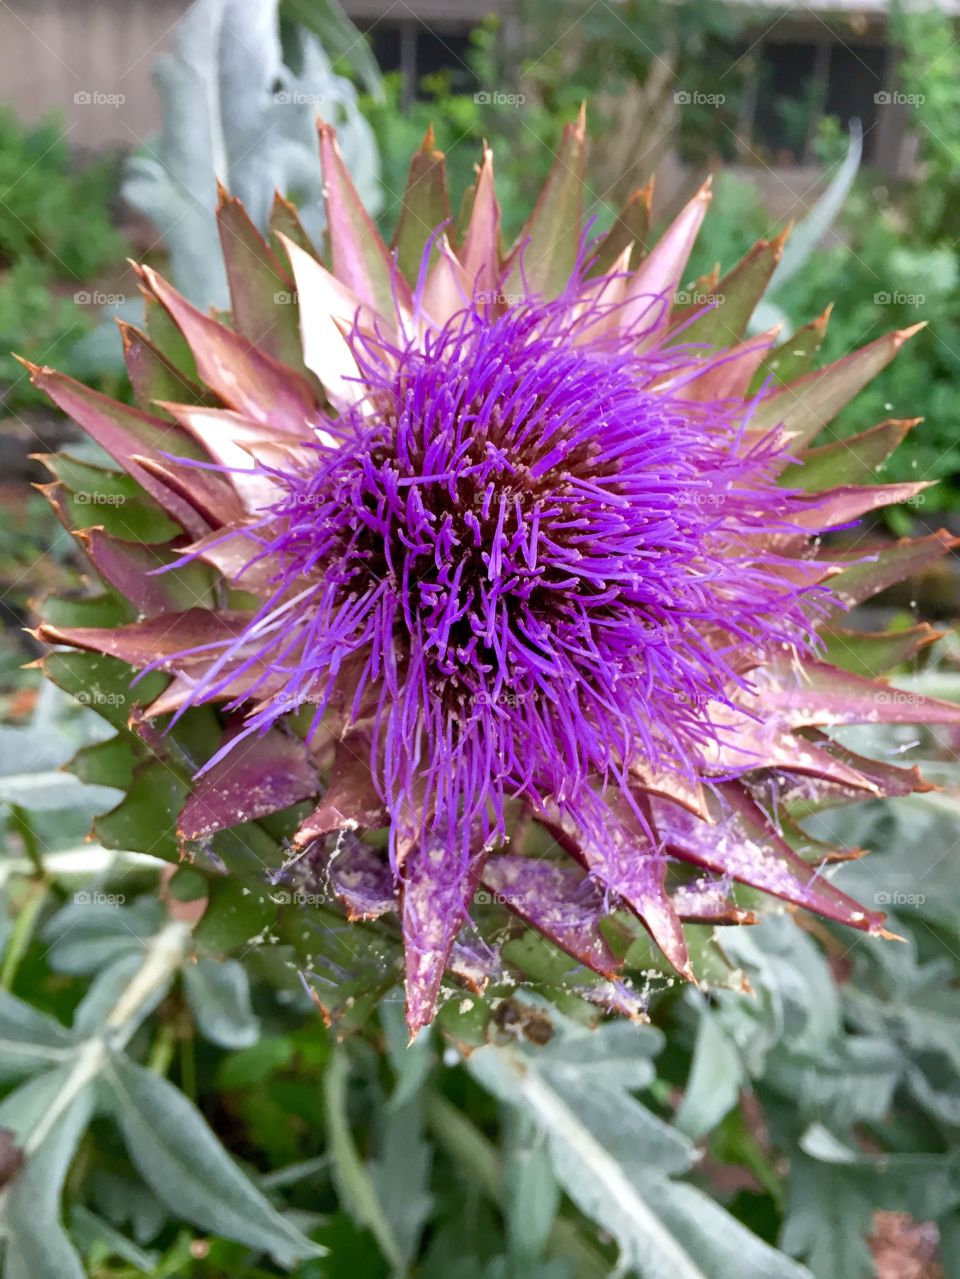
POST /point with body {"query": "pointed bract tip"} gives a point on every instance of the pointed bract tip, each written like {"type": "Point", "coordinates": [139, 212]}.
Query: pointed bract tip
{"type": "Point", "coordinates": [35, 370]}
{"type": "Point", "coordinates": [823, 319]}
{"type": "Point", "coordinates": [128, 332]}
{"type": "Point", "coordinates": [780, 240]}
{"type": "Point", "coordinates": [886, 934]}
{"type": "Point", "coordinates": [903, 335]}
{"type": "Point", "coordinates": [280, 201]}
{"type": "Point", "coordinates": [429, 142]}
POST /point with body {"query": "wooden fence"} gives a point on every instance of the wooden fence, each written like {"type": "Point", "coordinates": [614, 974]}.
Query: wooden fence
{"type": "Point", "coordinates": [87, 60]}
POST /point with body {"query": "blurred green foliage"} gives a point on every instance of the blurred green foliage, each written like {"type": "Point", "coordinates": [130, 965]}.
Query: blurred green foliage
{"type": "Point", "coordinates": [847, 1049]}
{"type": "Point", "coordinates": [52, 212]}
{"type": "Point", "coordinates": [56, 236]}
{"type": "Point", "coordinates": [892, 262]}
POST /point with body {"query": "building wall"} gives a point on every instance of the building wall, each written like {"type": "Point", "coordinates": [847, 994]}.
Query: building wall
{"type": "Point", "coordinates": [90, 61]}
{"type": "Point", "coordinates": [52, 51]}
{"type": "Point", "coordinates": [81, 58]}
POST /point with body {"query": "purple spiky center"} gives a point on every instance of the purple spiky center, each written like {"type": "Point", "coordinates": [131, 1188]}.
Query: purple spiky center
{"type": "Point", "coordinates": [522, 566]}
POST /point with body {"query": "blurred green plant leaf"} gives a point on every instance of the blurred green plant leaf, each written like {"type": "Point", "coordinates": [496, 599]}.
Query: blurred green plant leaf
{"type": "Point", "coordinates": [615, 1159]}
{"type": "Point", "coordinates": [95, 928]}
{"type": "Point", "coordinates": [38, 1247]}
{"type": "Point", "coordinates": [716, 1075]}
{"type": "Point", "coordinates": [356, 1187]}
{"type": "Point", "coordinates": [218, 993]}
{"type": "Point", "coordinates": [178, 1156]}
{"type": "Point", "coordinates": [400, 1175]}
{"type": "Point", "coordinates": [29, 1039]}
{"type": "Point", "coordinates": [531, 1192]}
{"type": "Point", "coordinates": [411, 1060]}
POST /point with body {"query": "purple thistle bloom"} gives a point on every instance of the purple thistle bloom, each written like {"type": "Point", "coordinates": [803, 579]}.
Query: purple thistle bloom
{"type": "Point", "coordinates": [524, 568]}
{"type": "Point", "coordinates": [531, 566]}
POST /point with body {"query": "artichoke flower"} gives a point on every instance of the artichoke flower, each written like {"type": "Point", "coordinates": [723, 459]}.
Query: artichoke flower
{"type": "Point", "coordinates": [501, 571]}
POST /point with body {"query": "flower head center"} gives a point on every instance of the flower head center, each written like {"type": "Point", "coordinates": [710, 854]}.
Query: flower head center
{"type": "Point", "coordinates": [512, 493]}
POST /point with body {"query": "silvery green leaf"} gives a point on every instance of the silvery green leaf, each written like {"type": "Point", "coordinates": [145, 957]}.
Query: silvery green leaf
{"type": "Point", "coordinates": [31, 757]}
{"type": "Point", "coordinates": [101, 350]}
{"type": "Point", "coordinates": [105, 990]}
{"type": "Point", "coordinates": [174, 183]}
{"type": "Point", "coordinates": [942, 1102]}
{"type": "Point", "coordinates": [354, 1183]}
{"type": "Point", "coordinates": [794, 999]}
{"type": "Point", "coordinates": [820, 1143]}
{"type": "Point", "coordinates": [914, 1004]}
{"type": "Point", "coordinates": [127, 1203]}
{"type": "Point", "coordinates": [852, 1081]}
{"type": "Point", "coordinates": [401, 1175]}
{"type": "Point", "coordinates": [330, 24]}
{"type": "Point", "coordinates": [29, 1039]}
{"type": "Point", "coordinates": [218, 993]}
{"type": "Point", "coordinates": [23, 1109]}
{"type": "Point", "coordinates": [616, 1052]}
{"type": "Point", "coordinates": [531, 1192]}
{"type": "Point", "coordinates": [911, 871]}
{"type": "Point", "coordinates": [234, 109]}
{"type": "Point", "coordinates": [808, 233]}
{"type": "Point", "coordinates": [90, 1230]}
{"type": "Point", "coordinates": [716, 1075]}
{"type": "Point", "coordinates": [716, 1242]}
{"type": "Point", "coordinates": [828, 1217]}
{"type": "Point", "coordinates": [96, 928]}
{"type": "Point", "coordinates": [180, 1158]}
{"type": "Point", "coordinates": [664, 1228]}
{"type": "Point", "coordinates": [32, 748]}
{"type": "Point", "coordinates": [411, 1062]}
{"type": "Point", "coordinates": [629, 1132]}
{"type": "Point", "coordinates": [37, 1245]}
{"type": "Point", "coordinates": [54, 790]}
